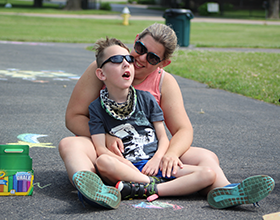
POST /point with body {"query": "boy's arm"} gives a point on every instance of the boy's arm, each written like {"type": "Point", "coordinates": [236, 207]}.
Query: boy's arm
{"type": "Point", "coordinates": [163, 141]}
{"type": "Point", "coordinates": [100, 147]}
{"type": "Point", "coordinates": [152, 166]}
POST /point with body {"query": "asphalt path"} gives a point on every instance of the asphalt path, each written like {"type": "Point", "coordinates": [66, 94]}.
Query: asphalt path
{"type": "Point", "coordinates": [36, 81]}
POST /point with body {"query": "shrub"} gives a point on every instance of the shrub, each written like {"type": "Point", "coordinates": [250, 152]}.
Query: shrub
{"type": "Point", "coordinates": [202, 9]}
{"type": "Point", "coordinates": [228, 7]}
{"type": "Point", "coordinates": [147, 2]}
{"type": "Point", "coordinates": [105, 6]}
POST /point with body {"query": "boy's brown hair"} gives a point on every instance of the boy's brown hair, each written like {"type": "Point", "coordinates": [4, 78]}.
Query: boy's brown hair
{"type": "Point", "coordinates": [102, 44]}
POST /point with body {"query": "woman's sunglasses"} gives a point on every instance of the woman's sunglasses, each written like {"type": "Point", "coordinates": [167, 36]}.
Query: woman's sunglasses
{"type": "Point", "coordinates": [118, 59]}
{"type": "Point", "coordinates": [141, 49]}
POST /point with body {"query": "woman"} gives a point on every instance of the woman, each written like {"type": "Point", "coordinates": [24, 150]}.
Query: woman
{"type": "Point", "coordinates": [152, 51]}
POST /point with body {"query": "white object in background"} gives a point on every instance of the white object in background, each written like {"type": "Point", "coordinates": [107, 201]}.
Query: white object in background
{"type": "Point", "coordinates": [8, 5]}
{"type": "Point", "coordinates": [213, 7]}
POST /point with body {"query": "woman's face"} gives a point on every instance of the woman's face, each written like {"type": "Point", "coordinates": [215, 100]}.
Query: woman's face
{"type": "Point", "coordinates": [142, 67]}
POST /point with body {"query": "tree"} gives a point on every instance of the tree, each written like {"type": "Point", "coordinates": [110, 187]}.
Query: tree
{"type": "Point", "coordinates": [273, 9]}
{"type": "Point", "coordinates": [73, 5]}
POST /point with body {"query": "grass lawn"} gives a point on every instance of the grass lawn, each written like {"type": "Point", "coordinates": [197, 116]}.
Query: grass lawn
{"type": "Point", "coordinates": [68, 30]}
{"type": "Point", "coordinates": [23, 28]}
{"type": "Point", "coordinates": [235, 35]}
{"type": "Point", "coordinates": [255, 75]}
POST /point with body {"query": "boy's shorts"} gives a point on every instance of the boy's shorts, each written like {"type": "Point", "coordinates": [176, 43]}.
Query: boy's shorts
{"type": "Point", "coordinates": [140, 165]}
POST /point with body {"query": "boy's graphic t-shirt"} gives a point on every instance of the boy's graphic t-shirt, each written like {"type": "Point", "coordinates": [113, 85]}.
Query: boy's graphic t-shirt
{"type": "Point", "coordinates": [137, 132]}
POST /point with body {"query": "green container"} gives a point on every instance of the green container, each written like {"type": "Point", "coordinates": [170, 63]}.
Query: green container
{"type": "Point", "coordinates": [16, 174]}
{"type": "Point", "coordinates": [179, 21]}
{"type": "Point", "coordinates": [15, 158]}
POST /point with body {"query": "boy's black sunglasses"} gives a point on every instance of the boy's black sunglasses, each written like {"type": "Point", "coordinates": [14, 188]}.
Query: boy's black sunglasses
{"type": "Point", "coordinates": [118, 59]}
{"type": "Point", "coordinates": [141, 49]}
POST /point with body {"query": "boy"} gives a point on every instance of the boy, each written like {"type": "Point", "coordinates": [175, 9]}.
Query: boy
{"type": "Point", "coordinates": [131, 115]}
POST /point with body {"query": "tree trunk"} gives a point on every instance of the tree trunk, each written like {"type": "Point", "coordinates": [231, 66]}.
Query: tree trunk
{"type": "Point", "coordinates": [273, 9]}
{"type": "Point", "coordinates": [73, 5]}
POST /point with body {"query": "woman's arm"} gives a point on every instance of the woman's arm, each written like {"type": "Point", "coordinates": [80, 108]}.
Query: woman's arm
{"type": "Point", "coordinates": [86, 90]}
{"type": "Point", "coordinates": [177, 121]}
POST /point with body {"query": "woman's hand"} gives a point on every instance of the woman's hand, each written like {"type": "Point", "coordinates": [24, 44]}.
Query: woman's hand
{"type": "Point", "coordinates": [114, 144]}
{"type": "Point", "coordinates": [169, 165]}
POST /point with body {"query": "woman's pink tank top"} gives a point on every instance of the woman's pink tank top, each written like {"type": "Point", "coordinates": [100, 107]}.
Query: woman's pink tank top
{"type": "Point", "coordinates": [152, 84]}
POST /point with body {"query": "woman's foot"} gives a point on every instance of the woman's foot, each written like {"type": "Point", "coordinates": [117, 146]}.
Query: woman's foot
{"type": "Point", "coordinates": [250, 190]}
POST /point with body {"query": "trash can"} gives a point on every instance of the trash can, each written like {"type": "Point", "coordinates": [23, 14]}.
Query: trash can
{"type": "Point", "coordinates": [84, 4]}
{"type": "Point", "coordinates": [179, 21]}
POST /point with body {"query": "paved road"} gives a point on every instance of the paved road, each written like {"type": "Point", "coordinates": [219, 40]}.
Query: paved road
{"type": "Point", "coordinates": [36, 81]}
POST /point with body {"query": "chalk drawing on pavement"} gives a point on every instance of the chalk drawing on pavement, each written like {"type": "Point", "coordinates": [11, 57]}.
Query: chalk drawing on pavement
{"type": "Point", "coordinates": [31, 140]}
{"type": "Point", "coordinates": [157, 205]}
{"type": "Point", "coordinates": [58, 75]}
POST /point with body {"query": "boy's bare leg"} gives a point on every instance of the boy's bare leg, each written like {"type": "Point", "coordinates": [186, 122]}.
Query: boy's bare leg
{"type": "Point", "coordinates": [202, 157]}
{"type": "Point", "coordinates": [189, 179]}
{"type": "Point", "coordinates": [78, 154]}
{"type": "Point", "coordinates": [112, 170]}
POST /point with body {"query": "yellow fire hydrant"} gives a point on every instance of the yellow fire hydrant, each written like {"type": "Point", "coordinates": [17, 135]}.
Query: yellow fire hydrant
{"type": "Point", "coordinates": [125, 15]}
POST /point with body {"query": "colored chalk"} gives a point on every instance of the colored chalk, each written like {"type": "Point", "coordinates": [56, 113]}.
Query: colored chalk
{"type": "Point", "coordinates": [28, 185]}
{"type": "Point", "coordinates": [15, 183]}
{"type": "Point", "coordinates": [1, 186]}
{"type": "Point", "coordinates": [11, 183]}
{"type": "Point", "coordinates": [6, 179]}
{"type": "Point", "coordinates": [152, 198]}
{"type": "Point", "coordinates": [24, 185]}
{"type": "Point", "coordinates": [19, 185]}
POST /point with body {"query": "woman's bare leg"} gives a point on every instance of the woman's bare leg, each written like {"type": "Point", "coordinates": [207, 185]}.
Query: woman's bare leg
{"type": "Point", "coordinates": [202, 157]}
{"type": "Point", "coordinates": [78, 154]}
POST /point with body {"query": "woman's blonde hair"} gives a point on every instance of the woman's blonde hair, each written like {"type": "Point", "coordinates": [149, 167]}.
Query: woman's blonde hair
{"type": "Point", "coordinates": [164, 35]}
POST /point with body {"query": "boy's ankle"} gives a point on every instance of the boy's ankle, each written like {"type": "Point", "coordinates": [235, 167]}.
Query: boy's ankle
{"type": "Point", "coordinates": [157, 180]}
{"type": "Point", "coordinates": [131, 190]}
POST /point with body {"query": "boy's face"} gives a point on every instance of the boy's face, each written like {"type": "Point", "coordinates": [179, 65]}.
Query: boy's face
{"type": "Point", "coordinates": [117, 74]}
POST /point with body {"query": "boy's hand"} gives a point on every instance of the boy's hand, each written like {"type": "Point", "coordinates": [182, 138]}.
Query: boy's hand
{"type": "Point", "coordinates": [169, 165]}
{"type": "Point", "coordinates": [115, 145]}
{"type": "Point", "coordinates": [151, 167]}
